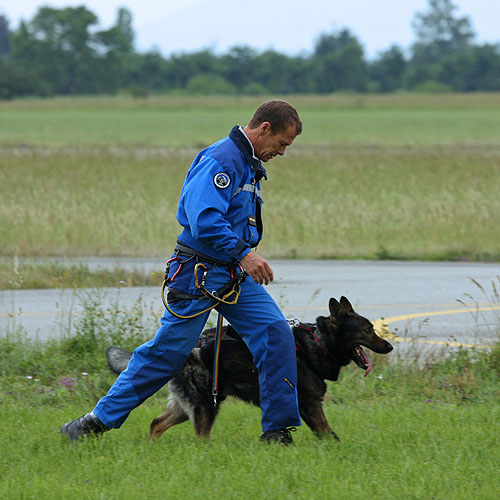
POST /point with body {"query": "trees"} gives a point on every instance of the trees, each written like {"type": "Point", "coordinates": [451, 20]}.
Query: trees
{"type": "Point", "coordinates": [56, 45]}
{"type": "Point", "coordinates": [388, 71]}
{"type": "Point", "coordinates": [210, 84]}
{"type": "Point", "coordinates": [442, 45]}
{"type": "Point", "coordinates": [238, 66]}
{"type": "Point", "coordinates": [4, 37]}
{"type": "Point", "coordinates": [338, 63]}
{"type": "Point", "coordinates": [64, 54]}
{"type": "Point", "coordinates": [63, 51]}
{"type": "Point", "coordinates": [439, 32]}
{"type": "Point", "coordinates": [115, 49]}
{"type": "Point", "coordinates": [484, 69]}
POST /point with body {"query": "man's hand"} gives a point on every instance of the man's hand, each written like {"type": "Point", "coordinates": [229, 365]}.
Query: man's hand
{"type": "Point", "coordinates": [258, 268]}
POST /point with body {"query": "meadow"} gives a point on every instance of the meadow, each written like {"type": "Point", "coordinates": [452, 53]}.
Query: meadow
{"type": "Point", "coordinates": [413, 429]}
{"type": "Point", "coordinates": [400, 176]}
{"type": "Point", "coordinates": [408, 177]}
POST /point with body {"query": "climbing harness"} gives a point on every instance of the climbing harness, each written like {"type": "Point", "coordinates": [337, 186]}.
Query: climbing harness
{"type": "Point", "coordinates": [221, 296]}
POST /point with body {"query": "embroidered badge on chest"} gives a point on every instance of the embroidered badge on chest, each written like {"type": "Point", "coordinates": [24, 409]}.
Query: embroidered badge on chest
{"type": "Point", "coordinates": [222, 180]}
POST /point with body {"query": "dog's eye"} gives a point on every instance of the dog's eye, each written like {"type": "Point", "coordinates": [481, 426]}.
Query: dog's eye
{"type": "Point", "coordinates": [368, 330]}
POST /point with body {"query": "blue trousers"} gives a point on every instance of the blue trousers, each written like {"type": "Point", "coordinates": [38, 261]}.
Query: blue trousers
{"type": "Point", "coordinates": [257, 319]}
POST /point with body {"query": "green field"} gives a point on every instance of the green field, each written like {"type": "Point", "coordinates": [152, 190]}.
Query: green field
{"type": "Point", "coordinates": [389, 450]}
{"type": "Point", "coordinates": [410, 177]}
{"type": "Point", "coordinates": [193, 122]}
{"type": "Point", "coordinates": [401, 176]}
{"type": "Point", "coordinates": [410, 430]}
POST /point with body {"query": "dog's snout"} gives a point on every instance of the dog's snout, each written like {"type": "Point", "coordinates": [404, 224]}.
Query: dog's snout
{"type": "Point", "coordinates": [382, 346]}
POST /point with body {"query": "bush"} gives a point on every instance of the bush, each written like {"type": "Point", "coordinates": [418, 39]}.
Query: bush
{"type": "Point", "coordinates": [432, 87]}
{"type": "Point", "coordinates": [209, 84]}
{"type": "Point", "coordinates": [254, 88]}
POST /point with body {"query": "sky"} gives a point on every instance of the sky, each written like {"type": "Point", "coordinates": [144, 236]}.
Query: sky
{"type": "Point", "coordinates": [289, 27]}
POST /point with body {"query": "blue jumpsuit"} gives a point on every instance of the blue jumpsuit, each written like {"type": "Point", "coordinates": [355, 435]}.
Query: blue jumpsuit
{"type": "Point", "coordinates": [219, 209]}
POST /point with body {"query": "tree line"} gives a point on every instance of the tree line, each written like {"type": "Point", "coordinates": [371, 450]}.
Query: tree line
{"type": "Point", "coordinates": [60, 52]}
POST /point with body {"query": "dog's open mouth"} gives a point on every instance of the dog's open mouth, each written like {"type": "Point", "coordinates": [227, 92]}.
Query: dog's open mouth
{"type": "Point", "coordinates": [361, 359]}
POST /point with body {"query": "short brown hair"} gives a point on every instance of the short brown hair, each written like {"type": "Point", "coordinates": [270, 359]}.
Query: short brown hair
{"type": "Point", "coordinates": [280, 114]}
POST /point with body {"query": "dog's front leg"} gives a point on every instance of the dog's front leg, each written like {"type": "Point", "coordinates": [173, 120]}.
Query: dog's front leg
{"type": "Point", "coordinates": [204, 420]}
{"type": "Point", "coordinates": [315, 418]}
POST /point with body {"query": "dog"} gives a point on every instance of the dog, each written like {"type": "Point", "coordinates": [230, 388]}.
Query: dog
{"type": "Point", "coordinates": [322, 349]}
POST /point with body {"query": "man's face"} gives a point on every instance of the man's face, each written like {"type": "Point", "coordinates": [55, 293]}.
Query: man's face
{"type": "Point", "coordinates": [268, 144]}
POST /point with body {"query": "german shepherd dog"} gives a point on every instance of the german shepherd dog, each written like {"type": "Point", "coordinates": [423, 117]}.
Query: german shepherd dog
{"type": "Point", "coordinates": [323, 348]}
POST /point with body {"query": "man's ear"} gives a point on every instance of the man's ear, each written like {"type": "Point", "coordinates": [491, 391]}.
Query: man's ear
{"type": "Point", "coordinates": [265, 128]}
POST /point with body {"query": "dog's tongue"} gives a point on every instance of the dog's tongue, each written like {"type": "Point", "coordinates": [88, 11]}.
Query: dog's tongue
{"type": "Point", "coordinates": [366, 360]}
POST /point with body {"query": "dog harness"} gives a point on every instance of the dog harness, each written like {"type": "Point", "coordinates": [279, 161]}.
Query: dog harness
{"type": "Point", "coordinates": [308, 327]}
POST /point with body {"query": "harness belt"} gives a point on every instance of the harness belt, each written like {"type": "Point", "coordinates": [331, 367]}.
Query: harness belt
{"type": "Point", "coordinates": [186, 251]}
{"type": "Point", "coordinates": [227, 294]}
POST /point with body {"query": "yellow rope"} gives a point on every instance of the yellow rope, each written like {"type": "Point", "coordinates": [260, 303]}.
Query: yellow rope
{"type": "Point", "coordinates": [205, 292]}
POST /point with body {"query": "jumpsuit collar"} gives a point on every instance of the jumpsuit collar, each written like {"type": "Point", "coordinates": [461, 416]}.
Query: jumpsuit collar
{"type": "Point", "coordinates": [245, 146]}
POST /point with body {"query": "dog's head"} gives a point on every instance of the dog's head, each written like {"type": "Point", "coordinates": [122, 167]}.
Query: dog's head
{"type": "Point", "coordinates": [349, 332]}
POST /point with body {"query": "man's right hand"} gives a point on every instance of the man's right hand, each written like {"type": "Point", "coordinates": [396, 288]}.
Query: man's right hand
{"type": "Point", "coordinates": [258, 268]}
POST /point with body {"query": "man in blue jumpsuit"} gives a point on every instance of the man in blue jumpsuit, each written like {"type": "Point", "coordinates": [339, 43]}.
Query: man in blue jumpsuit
{"type": "Point", "coordinates": [220, 211]}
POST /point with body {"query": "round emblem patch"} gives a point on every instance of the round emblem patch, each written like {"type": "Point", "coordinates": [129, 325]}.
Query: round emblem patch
{"type": "Point", "coordinates": [222, 180]}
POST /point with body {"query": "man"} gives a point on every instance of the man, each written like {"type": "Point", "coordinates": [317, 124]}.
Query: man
{"type": "Point", "coordinates": [220, 210]}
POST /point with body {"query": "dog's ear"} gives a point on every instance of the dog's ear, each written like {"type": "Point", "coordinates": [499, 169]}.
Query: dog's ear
{"type": "Point", "coordinates": [336, 310]}
{"type": "Point", "coordinates": [344, 302]}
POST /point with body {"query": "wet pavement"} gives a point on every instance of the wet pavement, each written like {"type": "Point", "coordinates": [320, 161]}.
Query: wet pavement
{"type": "Point", "coordinates": [427, 302]}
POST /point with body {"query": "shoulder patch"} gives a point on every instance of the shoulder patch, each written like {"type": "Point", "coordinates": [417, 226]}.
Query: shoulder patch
{"type": "Point", "coordinates": [222, 180]}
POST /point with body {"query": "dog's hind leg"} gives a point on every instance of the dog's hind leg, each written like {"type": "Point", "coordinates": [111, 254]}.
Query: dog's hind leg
{"type": "Point", "coordinates": [315, 418]}
{"type": "Point", "coordinates": [172, 415]}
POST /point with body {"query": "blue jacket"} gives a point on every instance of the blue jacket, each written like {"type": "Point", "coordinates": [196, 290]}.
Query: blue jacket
{"type": "Point", "coordinates": [220, 202]}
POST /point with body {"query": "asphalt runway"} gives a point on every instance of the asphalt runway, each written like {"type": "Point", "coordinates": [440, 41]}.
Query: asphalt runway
{"type": "Point", "coordinates": [433, 304]}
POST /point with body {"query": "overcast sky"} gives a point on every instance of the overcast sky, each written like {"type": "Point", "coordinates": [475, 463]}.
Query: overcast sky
{"type": "Point", "coordinates": [289, 27]}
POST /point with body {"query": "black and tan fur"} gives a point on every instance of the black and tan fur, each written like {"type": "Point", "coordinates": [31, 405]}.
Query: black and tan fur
{"type": "Point", "coordinates": [323, 349]}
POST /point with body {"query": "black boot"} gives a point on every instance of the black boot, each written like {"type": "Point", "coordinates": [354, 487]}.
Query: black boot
{"type": "Point", "coordinates": [281, 436]}
{"type": "Point", "coordinates": [84, 426]}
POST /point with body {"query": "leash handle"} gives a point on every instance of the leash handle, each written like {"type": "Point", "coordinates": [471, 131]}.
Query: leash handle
{"type": "Point", "coordinates": [217, 346]}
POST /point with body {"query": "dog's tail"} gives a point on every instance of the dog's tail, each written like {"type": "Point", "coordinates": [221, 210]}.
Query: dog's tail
{"type": "Point", "coordinates": [118, 358]}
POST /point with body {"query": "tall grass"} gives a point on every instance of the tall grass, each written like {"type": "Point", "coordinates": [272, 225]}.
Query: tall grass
{"type": "Point", "coordinates": [337, 202]}
{"type": "Point", "coordinates": [357, 201]}
{"type": "Point", "coordinates": [402, 176]}
{"type": "Point", "coordinates": [409, 203]}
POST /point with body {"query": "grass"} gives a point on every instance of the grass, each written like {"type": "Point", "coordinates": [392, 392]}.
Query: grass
{"type": "Point", "coordinates": [387, 451]}
{"type": "Point", "coordinates": [403, 176]}
{"type": "Point", "coordinates": [415, 428]}
{"type": "Point", "coordinates": [16, 275]}
{"type": "Point", "coordinates": [363, 203]}
{"type": "Point", "coordinates": [193, 122]}
{"type": "Point", "coordinates": [407, 432]}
